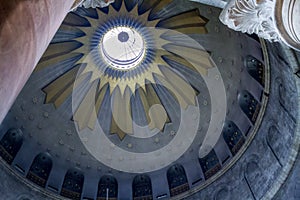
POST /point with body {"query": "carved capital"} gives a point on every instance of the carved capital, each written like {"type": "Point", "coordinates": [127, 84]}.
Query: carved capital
{"type": "Point", "coordinates": [251, 16]}
{"type": "Point", "coordinates": [91, 3]}
{"type": "Point", "coordinates": [274, 20]}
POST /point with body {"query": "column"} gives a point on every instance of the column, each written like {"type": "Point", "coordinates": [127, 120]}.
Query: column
{"type": "Point", "coordinates": [26, 29]}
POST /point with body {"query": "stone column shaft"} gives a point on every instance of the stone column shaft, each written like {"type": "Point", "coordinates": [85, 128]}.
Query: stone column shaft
{"type": "Point", "coordinates": [26, 29]}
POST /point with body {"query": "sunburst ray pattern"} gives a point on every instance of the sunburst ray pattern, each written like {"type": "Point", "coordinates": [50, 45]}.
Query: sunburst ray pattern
{"type": "Point", "coordinates": [90, 35]}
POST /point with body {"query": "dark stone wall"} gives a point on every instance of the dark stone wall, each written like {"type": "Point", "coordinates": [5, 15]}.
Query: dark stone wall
{"type": "Point", "coordinates": [259, 172]}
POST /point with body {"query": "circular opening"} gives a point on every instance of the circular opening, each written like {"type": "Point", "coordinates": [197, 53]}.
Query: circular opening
{"type": "Point", "coordinates": [122, 48]}
{"type": "Point", "coordinates": [123, 37]}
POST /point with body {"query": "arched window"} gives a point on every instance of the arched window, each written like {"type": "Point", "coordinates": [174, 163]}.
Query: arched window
{"type": "Point", "coordinates": [233, 136]}
{"type": "Point", "coordinates": [40, 169]}
{"type": "Point", "coordinates": [107, 188]}
{"type": "Point", "coordinates": [10, 144]}
{"type": "Point", "coordinates": [142, 188]}
{"type": "Point", "coordinates": [177, 180]}
{"type": "Point", "coordinates": [255, 68]}
{"type": "Point", "coordinates": [73, 184]}
{"type": "Point", "coordinates": [210, 164]}
{"type": "Point", "coordinates": [249, 105]}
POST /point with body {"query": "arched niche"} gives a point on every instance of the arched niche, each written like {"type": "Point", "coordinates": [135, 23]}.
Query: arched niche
{"type": "Point", "coordinates": [222, 194]}
{"type": "Point", "coordinates": [10, 144]}
{"type": "Point", "coordinates": [249, 105]}
{"type": "Point", "coordinates": [282, 91]}
{"type": "Point", "coordinates": [107, 188]}
{"type": "Point", "coordinates": [255, 68]}
{"type": "Point", "coordinates": [73, 184]}
{"type": "Point", "coordinates": [142, 188]}
{"type": "Point", "coordinates": [279, 143]}
{"type": "Point", "coordinates": [284, 98]}
{"type": "Point", "coordinates": [233, 136]}
{"type": "Point", "coordinates": [40, 169]}
{"type": "Point", "coordinates": [210, 164]}
{"type": "Point", "coordinates": [255, 177]}
{"type": "Point", "coordinates": [177, 180]}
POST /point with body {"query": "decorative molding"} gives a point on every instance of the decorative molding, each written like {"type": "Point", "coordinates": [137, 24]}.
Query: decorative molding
{"type": "Point", "coordinates": [251, 16]}
{"type": "Point", "coordinates": [274, 20]}
{"type": "Point", "coordinates": [91, 3]}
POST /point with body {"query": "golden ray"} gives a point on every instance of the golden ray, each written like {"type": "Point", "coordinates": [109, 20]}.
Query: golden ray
{"type": "Point", "coordinates": [83, 40]}
{"type": "Point", "coordinates": [190, 18]}
{"type": "Point", "coordinates": [123, 9]}
{"type": "Point", "coordinates": [180, 89]}
{"type": "Point", "coordinates": [135, 11]}
{"type": "Point", "coordinates": [58, 49]}
{"type": "Point", "coordinates": [73, 19]}
{"type": "Point", "coordinates": [91, 68]}
{"type": "Point", "coordinates": [121, 88]}
{"type": "Point", "coordinates": [121, 114]}
{"type": "Point", "coordinates": [160, 42]}
{"type": "Point", "coordinates": [191, 30]}
{"type": "Point", "coordinates": [184, 62]}
{"type": "Point", "coordinates": [148, 4]}
{"type": "Point", "coordinates": [160, 5]}
{"type": "Point", "coordinates": [145, 19]}
{"type": "Point", "coordinates": [149, 98]}
{"type": "Point", "coordinates": [113, 12]}
{"type": "Point", "coordinates": [100, 97]}
{"type": "Point", "coordinates": [48, 62]}
{"type": "Point", "coordinates": [58, 91]}
{"type": "Point", "coordinates": [197, 57]}
{"type": "Point", "coordinates": [86, 109]}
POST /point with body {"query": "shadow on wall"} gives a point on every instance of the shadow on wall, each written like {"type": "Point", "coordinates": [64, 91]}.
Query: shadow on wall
{"type": "Point", "coordinates": [6, 8]}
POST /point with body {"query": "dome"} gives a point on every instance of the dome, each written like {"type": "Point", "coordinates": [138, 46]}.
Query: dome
{"type": "Point", "coordinates": [153, 100]}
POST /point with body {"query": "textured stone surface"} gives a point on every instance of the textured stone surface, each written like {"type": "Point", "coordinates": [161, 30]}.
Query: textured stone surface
{"type": "Point", "coordinates": [291, 186]}
{"type": "Point", "coordinates": [13, 189]}
{"type": "Point", "coordinates": [26, 28]}
{"type": "Point", "coordinates": [259, 169]}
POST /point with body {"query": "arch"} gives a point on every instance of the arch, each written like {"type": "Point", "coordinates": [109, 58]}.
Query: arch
{"type": "Point", "coordinates": [10, 144]}
{"type": "Point", "coordinates": [142, 188]}
{"type": "Point", "coordinates": [233, 136]}
{"type": "Point", "coordinates": [282, 91]}
{"type": "Point", "coordinates": [210, 164]}
{"type": "Point", "coordinates": [107, 188]}
{"type": "Point", "coordinates": [252, 171]}
{"type": "Point", "coordinates": [222, 194]}
{"type": "Point", "coordinates": [249, 105]}
{"type": "Point", "coordinates": [255, 68]}
{"type": "Point", "coordinates": [285, 99]}
{"type": "Point", "coordinates": [279, 143]}
{"type": "Point", "coordinates": [73, 184]}
{"type": "Point", "coordinates": [177, 180]}
{"type": "Point", "coordinates": [254, 178]}
{"type": "Point", "coordinates": [40, 169]}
